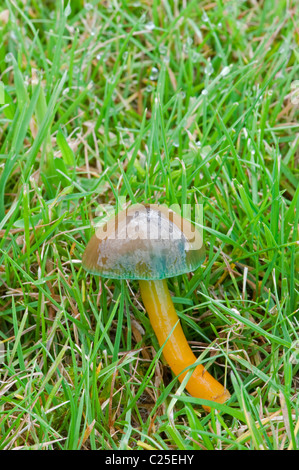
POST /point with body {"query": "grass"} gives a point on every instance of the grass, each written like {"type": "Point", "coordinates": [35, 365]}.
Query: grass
{"type": "Point", "coordinates": [159, 102]}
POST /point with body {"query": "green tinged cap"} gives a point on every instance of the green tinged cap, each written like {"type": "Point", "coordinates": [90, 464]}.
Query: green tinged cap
{"type": "Point", "coordinates": [147, 242]}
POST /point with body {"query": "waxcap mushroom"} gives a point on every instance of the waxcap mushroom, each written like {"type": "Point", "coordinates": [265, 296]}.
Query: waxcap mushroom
{"type": "Point", "coordinates": [151, 243]}
{"type": "Point", "coordinates": [148, 242]}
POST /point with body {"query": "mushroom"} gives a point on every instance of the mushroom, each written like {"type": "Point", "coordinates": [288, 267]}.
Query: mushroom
{"type": "Point", "coordinates": [151, 243]}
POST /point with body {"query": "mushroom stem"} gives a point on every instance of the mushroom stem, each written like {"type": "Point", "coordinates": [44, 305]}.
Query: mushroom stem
{"type": "Point", "coordinates": [176, 351]}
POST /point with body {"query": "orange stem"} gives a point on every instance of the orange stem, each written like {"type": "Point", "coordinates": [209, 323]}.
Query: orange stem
{"type": "Point", "coordinates": [177, 352]}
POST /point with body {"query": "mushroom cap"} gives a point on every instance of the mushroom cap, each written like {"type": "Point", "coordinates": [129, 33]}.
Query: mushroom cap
{"type": "Point", "coordinates": [147, 242]}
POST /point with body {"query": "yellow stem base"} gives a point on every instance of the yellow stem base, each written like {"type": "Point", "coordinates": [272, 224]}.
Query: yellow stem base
{"type": "Point", "coordinates": [177, 352]}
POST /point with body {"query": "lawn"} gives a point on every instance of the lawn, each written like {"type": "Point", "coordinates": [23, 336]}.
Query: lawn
{"type": "Point", "coordinates": [105, 104]}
